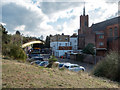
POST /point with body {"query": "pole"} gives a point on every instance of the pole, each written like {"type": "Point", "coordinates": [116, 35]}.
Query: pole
{"type": "Point", "coordinates": [95, 55]}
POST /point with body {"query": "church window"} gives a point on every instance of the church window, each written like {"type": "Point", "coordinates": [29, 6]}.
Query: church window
{"type": "Point", "coordinates": [110, 32]}
{"type": "Point", "coordinates": [101, 43]}
{"type": "Point", "coordinates": [85, 23]}
{"type": "Point", "coordinates": [115, 32]}
{"type": "Point", "coordinates": [101, 36]}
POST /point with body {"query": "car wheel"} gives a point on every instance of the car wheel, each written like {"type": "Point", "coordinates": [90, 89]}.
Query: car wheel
{"type": "Point", "coordinates": [83, 70]}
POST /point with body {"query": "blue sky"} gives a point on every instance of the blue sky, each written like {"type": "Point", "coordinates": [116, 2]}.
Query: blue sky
{"type": "Point", "coordinates": [38, 17]}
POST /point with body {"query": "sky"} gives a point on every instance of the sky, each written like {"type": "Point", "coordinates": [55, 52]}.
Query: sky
{"type": "Point", "coordinates": [45, 17]}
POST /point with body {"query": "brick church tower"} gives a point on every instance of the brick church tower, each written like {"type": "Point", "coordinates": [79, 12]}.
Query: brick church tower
{"type": "Point", "coordinates": [83, 23]}
{"type": "Point", "coordinates": [84, 27]}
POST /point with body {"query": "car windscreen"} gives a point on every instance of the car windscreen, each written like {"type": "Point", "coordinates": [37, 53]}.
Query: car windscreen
{"type": "Point", "coordinates": [74, 66]}
{"type": "Point", "coordinates": [66, 66]}
{"type": "Point", "coordinates": [60, 65]}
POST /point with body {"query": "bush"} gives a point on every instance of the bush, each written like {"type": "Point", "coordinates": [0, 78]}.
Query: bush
{"type": "Point", "coordinates": [16, 52]}
{"type": "Point", "coordinates": [109, 67]}
{"type": "Point", "coordinates": [89, 49]}
{"type": "Point", "coordinates": [51, 61]}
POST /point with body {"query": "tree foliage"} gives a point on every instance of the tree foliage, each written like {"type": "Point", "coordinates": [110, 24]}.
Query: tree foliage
{"type": "Point", "coordinates": [109, 67]}
{"type": "Point", "coordinates": [17, 33]}
{"type": "Point", "coordinates": [11, 45]}
{"type": "Point", "coordinates": [47, 42]}
{"type": "Point", "coordinates": [89, 49]}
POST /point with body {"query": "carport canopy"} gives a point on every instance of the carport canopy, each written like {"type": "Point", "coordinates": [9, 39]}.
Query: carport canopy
{"type": "Point", "coordinates": [30, 43]}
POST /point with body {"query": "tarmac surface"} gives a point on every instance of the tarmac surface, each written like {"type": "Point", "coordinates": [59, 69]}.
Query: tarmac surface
{"type": "Point", "coordinates": [88, 67]}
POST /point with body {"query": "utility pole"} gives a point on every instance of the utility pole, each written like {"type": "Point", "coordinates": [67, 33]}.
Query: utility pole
{"type": "Point", "coordinates": [95, 54]}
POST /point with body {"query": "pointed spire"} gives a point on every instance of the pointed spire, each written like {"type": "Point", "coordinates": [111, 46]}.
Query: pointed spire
{"type": "Point", "coordinates": [84, 10]}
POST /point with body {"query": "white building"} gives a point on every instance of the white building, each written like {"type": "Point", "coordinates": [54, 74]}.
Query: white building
{"type": "Point", "coordinates": [74, 43]}
{"type": "Point", "coordinates": [56, 48]}
{"type": "Point", "coordinates": [60, 44]}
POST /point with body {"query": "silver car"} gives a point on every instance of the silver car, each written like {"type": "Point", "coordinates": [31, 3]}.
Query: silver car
{"type": "Point", "coordinates": [74, 67]}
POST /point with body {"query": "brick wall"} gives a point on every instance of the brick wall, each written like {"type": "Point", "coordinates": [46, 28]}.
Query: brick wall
{"type": "Point", "coordinates": [60, 38]}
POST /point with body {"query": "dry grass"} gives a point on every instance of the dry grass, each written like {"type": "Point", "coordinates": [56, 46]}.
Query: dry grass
{"type": "Point", "coordinates": [20, 75]}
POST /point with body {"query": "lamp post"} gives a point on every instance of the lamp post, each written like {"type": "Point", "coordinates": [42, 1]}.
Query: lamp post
{"type": "Point", "coordinates": [95, 54]}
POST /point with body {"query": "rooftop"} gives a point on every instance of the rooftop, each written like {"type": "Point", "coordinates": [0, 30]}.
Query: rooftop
{"type": "Point", "coordinates": [102, 25]}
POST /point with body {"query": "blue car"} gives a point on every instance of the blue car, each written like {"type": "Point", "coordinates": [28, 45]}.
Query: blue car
{"type": "Point", "coordinates": [44, 63]}
{"type": "Point", "coordinates": [36, 62]}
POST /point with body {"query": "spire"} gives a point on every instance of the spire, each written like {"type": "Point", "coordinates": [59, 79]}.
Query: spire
{"type": "Point", "coordinates": [84, 10]}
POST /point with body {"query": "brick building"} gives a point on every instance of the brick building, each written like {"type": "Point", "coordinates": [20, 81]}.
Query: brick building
{"type": "Point", "coordinates": [85, 34]}
{"type": "Point", "coordinates": [104, 35]}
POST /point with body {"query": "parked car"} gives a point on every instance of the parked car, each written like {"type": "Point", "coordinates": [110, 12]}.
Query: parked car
{"type": "Point", "coordinates": [35, 56]}
{"type": "Point", "coordinates": [62, 64]}
{"type": "Point", "coordinates": [44, 63]}
{"type": "Point", "coordinates": [74, 67]}
{"type": "Point", "coordinates": [36, 62]}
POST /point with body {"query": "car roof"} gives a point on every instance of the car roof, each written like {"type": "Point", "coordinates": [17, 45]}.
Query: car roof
{"type": "Point", "coordinates": [69, 64]}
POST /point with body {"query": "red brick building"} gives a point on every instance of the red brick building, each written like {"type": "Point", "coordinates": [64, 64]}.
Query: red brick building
{"type": "Point", "coordinates": [104, 35]}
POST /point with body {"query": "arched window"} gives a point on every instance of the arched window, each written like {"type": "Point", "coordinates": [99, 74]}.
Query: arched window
{"type": "Point", "coordinates": [115, 31]}
{"type": "Point", "coordinates": [110, 32]}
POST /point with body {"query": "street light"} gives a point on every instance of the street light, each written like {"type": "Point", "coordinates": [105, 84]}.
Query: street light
{"type": "Point", "coordinates": [95, 53]}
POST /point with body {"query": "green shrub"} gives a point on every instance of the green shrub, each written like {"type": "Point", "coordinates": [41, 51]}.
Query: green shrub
{"type": "Point", "coordinates": [16, 52]}
{"type": "Point", "coordinates": [89, 49]}
{"type": "Point", "coordinates": [51, 61]}
{"type": "Point", "coordinates": [109, 67]}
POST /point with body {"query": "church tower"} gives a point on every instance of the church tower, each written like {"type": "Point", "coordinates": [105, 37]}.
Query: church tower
{"type": "Point", "coordinates": [84, 22]}
{"type": "Point", "coordinates": [83, 29]}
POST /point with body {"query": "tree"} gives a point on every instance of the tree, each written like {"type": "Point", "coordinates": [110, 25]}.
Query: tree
{"type": "Point", "coordinates": [47, 42]}
{"type": "Point", "coordinates": [89, 49]}
{"type": "Point", "coordinates": [17, 33]}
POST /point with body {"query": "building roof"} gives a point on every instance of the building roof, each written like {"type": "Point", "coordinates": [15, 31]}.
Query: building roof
{"type": "Point", "coordinates": [102, 25]}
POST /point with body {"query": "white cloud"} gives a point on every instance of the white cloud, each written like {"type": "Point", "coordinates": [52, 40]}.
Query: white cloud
{"type": "Point", "coordinates": [32, 18]}
{"type": "Point", "coordinates": [20, 28]}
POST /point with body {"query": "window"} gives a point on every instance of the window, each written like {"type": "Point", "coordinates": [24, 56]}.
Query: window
{"type": "Point", "coordinates": [75, 41]}
{"type": "Point", "coordinates": [101, 43]}
{"type": "Point", "coordinates": [70, 43]}
{"type": "Point", "coordinates": [59, 38]}
{"type": "Point", "coordinates": [110, 32]}
{"type": "Point", "coordinates": [115, 32]}
{"type": "Point", "coordinates": [66, 39]}
{"type": "Point", "coordinates": [65, 44]}
{"type": "Point", "coordinates": [101, 36]}
{"type": "Point", "coordinates": [85, 23]}
{"type": "Point", "coordinates": [59, 44]}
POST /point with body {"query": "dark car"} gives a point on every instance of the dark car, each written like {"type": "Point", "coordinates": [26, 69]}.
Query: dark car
{"type": "Point", "coordinates": [36, 62]}
{"type": "Point", "coordinates": [44, 63]}
{"type": "Point", "coordinates": [35, 56]}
